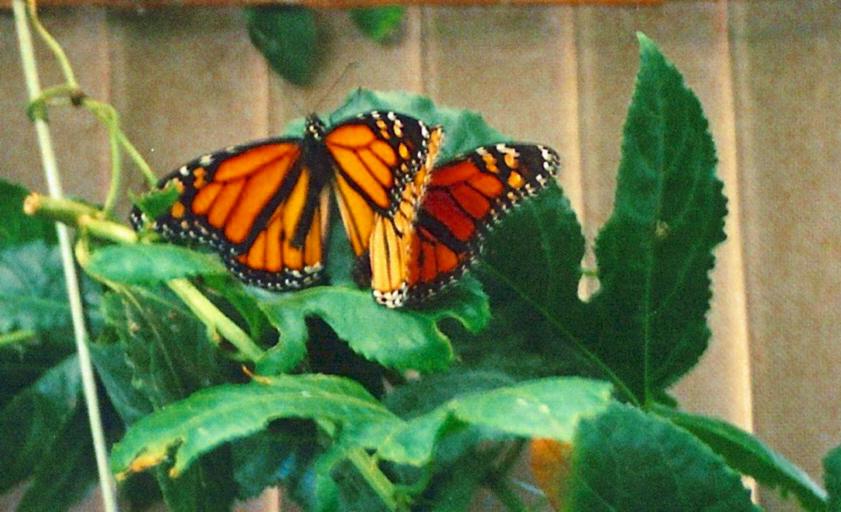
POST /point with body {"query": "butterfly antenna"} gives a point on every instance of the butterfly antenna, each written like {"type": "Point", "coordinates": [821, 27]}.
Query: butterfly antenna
{"type": "Point", "coordinates": [336, 82]}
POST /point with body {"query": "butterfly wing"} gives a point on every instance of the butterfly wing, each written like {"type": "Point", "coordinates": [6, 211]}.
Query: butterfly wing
{"type": "Point", "coordinates": [247, 202]}
{"type": "Point", "coordinates": [376, 155]}
{"type": "Point", "coordinates": [460, 203]}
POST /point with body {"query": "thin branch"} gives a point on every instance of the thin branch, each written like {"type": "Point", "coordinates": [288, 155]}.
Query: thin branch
{"type": "Point", "coordinates": [50, 165]}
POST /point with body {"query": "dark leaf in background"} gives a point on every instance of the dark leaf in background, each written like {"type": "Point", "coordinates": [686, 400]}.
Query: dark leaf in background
{"type": "Point", "coordinates": [67, 470]}
{"type": "Point", "coordinates": [655, 252]}
{"type": "Point", "coordinates": [33, 419]}
{"type": "Point", "coordinates": [626, 460]}
{"type": "Point", "coordinates": [32, 292]}
{"type": "Point", "coordinates": [117, 376]}
{"type": "Point", "coordinates": [750, 456]}
{"type": "Point", "coordinates": [379, 23]}
{"type": "Point", "coordinates": [17, 227]}
{"type": "Point", "coordinates": [286, 36]}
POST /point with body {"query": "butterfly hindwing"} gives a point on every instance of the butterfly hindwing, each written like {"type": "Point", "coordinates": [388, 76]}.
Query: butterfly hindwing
{"type": "Point", "coordinates": [460, 202]}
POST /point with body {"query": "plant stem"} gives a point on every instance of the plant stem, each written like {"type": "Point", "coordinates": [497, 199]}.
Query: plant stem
{"type": "Point", "coordinates": [10, 338]}
{"type": "Point", "coordinates": [367, 467]}
{"type": "Point", "coordinates": [214, 319]}
{"type": "Point", "coordinates": [48, 159]}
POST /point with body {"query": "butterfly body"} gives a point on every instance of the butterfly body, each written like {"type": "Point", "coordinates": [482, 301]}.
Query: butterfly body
{"type": "Point", "coordinates": [264, 205]}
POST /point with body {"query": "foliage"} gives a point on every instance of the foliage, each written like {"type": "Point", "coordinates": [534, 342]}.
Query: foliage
{"type": "Point", "coordinates": [220, 390]}
{"type": "Point", "coordinates": [288, 36]}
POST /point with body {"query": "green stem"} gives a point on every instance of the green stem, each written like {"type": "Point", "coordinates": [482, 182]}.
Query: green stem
{"type": "Point", "coordinates": [53, 45]}
{"type": "Point", "coordinates": [116, 173]}
{"type": "Point", "coordinates": [589, 272]}
{"type": "Point", "coordinates": [369, 470]}
{"type": "Point", "coordinates": [10, 338]}
{"type": "Point", "coordinates": [215, 319]}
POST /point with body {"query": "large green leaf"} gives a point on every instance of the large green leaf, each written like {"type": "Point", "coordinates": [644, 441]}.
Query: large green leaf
{"type": "Point", "coordinates": [750, 456]}
{"type": "Point", "coordinates": [117, 376]}
{"type": "Point", "coordinates": [286, 36]}
{"type": "Point", "coordinates": [530, 269]}
{"type": "Point", "coordinates": [31, 421]}
{"type": "Point", "coordinates": [626, 460]}
{"type": "Point", "coordinates": [379, 23]}
{"type": "Point", "coordinates": [832, 478]}
{"type": "Point", "coordinates": [224, 413]}
{"type": "Point", "coordinates": [655, 252]}
{"type": "Point", "coordinates": [17, 227]}
{"type": "Point", "coordinates": [548, 408]}
{"type": "Point", "coordinates": [394, 338]}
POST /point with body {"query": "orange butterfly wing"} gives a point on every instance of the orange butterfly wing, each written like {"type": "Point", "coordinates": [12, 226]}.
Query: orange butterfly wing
{"type": "Point", "coordinates": [247, 202]}
{"type": "Point", "coordinates": [460, 203]}
{"type": "Point", "coordinates": [377, 156]}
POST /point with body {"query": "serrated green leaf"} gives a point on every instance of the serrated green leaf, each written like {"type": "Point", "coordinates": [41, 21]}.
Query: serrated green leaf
{"type": "Point", "coordinates": [421, 396]}
{"type": "Point", "coordinates": [223, 413]}
{"type": "Point", "coordinates": [549, 408]}
{"type": "Point", "coordinates": [286, 36]}
{"type": "Point", "coordinates": [749, 455]}
{"type": "Point", "coordinates": [17, 227]}
{"type": "Point", "coordinates": [625, 460]}
{"type": "Point", "coordinates": [140, 263]}
{"type": "Point", "coordinates": [832, 479]}
{"type": "Point", "coordinates": [379, 23]}
{"type": "Point", "coordinates": [655, 251]}
{"type": "Point", "coordinates": [158, 201]}
{"type": "Point", "coordinates": [67, 470]}
{"type": "Point", "coordinates": [31, 421]}
{"type": "Point", "coordinates": [394, 338]}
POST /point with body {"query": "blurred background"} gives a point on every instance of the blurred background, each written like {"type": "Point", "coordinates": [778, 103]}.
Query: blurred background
{"type": "Point", "coordinates": [187, 80]}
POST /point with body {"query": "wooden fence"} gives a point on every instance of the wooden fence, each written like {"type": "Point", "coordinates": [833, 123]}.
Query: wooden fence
{"type": "Point", "coordinates": [187, 80]}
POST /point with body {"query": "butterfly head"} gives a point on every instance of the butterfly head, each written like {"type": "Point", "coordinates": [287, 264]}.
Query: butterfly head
{"type": "Point", "coordinates": [315, 127]}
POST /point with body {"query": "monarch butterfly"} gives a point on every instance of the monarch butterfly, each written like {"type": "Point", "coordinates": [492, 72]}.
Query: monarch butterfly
{"type": "Point", "coordinates": [264, 207]}
{"type": "Point", "coordinates": [438, 228]}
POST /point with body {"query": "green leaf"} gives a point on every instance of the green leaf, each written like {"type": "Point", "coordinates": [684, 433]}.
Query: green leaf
{"type": "Point", "coordinates": [548, 408]}
{"type": "Point", "coordinates": [286, 36]}
{"type": "Point", "coordinates": [423, 395]}
{"type": "Point", "coordinates": [17, 227]}
{"type": "Point", "coordinates": [750, 456]}
{"type": "Point", "coordinates": [224, 413]}
{"type": "Point", "coordinates": [114, 370]}
{"type": "Point", "coordinates": [156, 202]}
{"type": "Point", "coordinates": [832, 478]}
{"type": "Point", "coordinates": [394, 338]}
{"type": "Point", "coordinates": [530, 270]}
{"type": "Point", "coordinates": [625, 460]}
{"type": "Point", "coordinates": [32, 420]}
{"type": "Point", "coordinates": [32, 292]}
{"type": "Point", "coordinates": [655, 251]}
{"type": "Point", "coordinates": [140, 263]}
{"type": "Point", "coordinates": [67, 470]}
{"type": "Point", "coordinates": [379, 23]}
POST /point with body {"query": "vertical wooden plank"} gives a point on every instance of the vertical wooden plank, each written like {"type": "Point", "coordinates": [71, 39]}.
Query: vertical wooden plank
{"type": "Point", "coordinates": [80, 142]}
{"type": "Point", "coordinates": [694, 36]}
{"type": "Point", "coordinates": [786, 72]}
{"type": "Point", "coordinates": [394, 65]}
{"type": "Point", "coordinates": [186, 81]}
